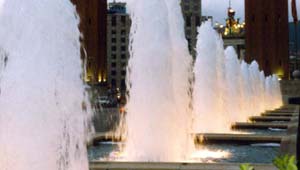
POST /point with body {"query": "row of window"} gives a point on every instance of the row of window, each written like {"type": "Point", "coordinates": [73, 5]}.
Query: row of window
{"type": "Point", "coordinates": [122, 32]}
{"type": "Point", "coordinates": [114, 65]}
{"type": "Point", "coordinates": [122, 83]}
{"type": "Point", "coordinates": [114, 73]}
{"type": "Point", "coordinates": [122, 48]}
{"type": "Point", "coordinates": [122, 39]}
{"type": "Point", "coordinates": [194, 8]}
{"type": "Point", "coordinates": [114, 56]}
{"type": "Point", "coordinates": [114, 20]}
{"type": "Point", "coordinates": [189, 19]}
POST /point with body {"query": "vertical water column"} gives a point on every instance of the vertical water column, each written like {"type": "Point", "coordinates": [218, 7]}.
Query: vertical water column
{"type": "Point", "coordinates": [154, 122]}
{"type": "Point", "coordinates": [208, 93]}
{"type": "Point", "coordinates": [233, 83]}
{"type": "Point", "coordinates": [247, 89]}
{"type": "Point", "coordinates": [45, 115]}
{"type": "Point", "coordinates": [255, 81]}
{"type": "Point", "coordinates": [182, 63]}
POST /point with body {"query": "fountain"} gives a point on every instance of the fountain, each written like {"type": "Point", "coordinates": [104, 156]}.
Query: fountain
{"type": "Point", "coordinates": [159, 118]}
{"type": "Point", "coordinates": [45, 115]}
{"type": "Point", "coordinates": [234, 94]}
{"type": "Point", "coordinates": [208, 91]}
{"type": "Point", "coordinates": [157, 126]}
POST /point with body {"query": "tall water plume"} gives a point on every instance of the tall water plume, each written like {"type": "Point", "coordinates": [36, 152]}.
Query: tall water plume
{"type": "Point", "coordinates": [208, 91]}
{"type": "Point", "coordinates": [182, 73]}
{"type": "Point", "coordinates": [44, 114]}
{"type": "Point", "coordinates": [255, 85]}
{"type": "Point", "coordinates": [234, 86]}
{"type": "Point", "coordinates": [157, 118]}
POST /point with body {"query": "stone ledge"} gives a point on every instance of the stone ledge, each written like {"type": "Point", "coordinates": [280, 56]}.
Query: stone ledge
{"type": "Point", "coordinates": [97, 165]}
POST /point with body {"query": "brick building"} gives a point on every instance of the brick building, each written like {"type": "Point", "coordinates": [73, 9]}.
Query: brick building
{"type": "Point", "coordinates": [93, 26]}
{"type": "Point", "coordinates": [267, 35]}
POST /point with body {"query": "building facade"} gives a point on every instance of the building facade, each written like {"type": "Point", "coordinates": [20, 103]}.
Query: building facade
{"type": "Point", "coordinates": [118, 29]}
{"type": "Point", "coordinates": [267, 35]}
{"type": "Point", "coordinates": [92, 15]}
{"type": "Point", "coordinates": [191, 10]}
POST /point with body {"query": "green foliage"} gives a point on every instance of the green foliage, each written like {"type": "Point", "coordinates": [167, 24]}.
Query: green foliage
{"type": "Point", "coordinates": [246, 167]}
{"type": "Point", "coordinates": [285, 162]}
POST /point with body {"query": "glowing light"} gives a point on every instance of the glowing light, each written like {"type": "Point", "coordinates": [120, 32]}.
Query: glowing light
{"type": "Point", "coordinates": [205, 155]}
{"type": "Point", "coordinates": [280, 73]}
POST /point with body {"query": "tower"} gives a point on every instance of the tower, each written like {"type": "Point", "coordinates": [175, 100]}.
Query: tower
{"type": "Point", "coordinates": [267, 35]}
{"type": "Point", "coordinates": [93, 16]}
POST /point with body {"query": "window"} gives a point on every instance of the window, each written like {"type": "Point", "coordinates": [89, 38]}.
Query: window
{"type": "Point", "coordinates": [123, 20]}
{"type": "Point", "coordinates": [113, 48]}
{"type": "Point", "coordinates": [113, 73]}
{"type": "Point", "coordinates": [113, 83]}
{"type": "Point", "coordinates": [113, 21]}
{"type": "Point", "coordinates": [113, 56]}
{"type": "Point", "coordinates": [124, 65]}
{"type": "Point", "coordinates": [123, 32]}
{"type": "Point", "coordinates": [198, 21]}
{"type": "Point", "coordinates": [196, 8]}
{"type": "Point", "coordinates": [123, 73]}
{"type": "Point", "coordinates": [123, 48]}
{"type": "Point", "coordinates": [188, 21]}
{"type": "Point", "coordinates": [113, 32]}
{"type": "Point", "coordinates": [186, 7]}
{"type": "Point", "coordinates": [123, 84]}
{"type": "Point", "coordinates": [113, 64]}
{"type": "Point", "coordinates": [123, 40]}
{"type": "Point", "coordinates": [123, 56]}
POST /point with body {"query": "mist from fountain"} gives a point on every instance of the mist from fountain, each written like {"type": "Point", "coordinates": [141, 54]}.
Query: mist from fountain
{"type": "Point", "coordinates": [158, 114]}
{"type": "Point", "coordinates": [45, 115]}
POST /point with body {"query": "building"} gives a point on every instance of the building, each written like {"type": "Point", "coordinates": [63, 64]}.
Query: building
{"type": "Point", "coordinates": [93, 27]}
{"type": "Point", "coordinates": [118, 29]}
{"type": "Point", "coordinates": [267, 35]}
{"type": "Point", "coordinates": [294, 47]}
{"type": "Point", "coordinates": [191, 10]}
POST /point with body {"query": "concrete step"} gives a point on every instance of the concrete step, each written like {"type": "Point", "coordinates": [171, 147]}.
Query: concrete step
{"type": "Point", "coordinates": [260, 125]}
{"type": "Point", "coordinates": [97, 165]}
{"type": "Point", "coordinates": [209, 138]}
{"type": "Point", "coordinates": [280, 114]}
{"type": "Point", "coordinates": [243, 139]}
{"type": "Point", "coordinates": [270, 118]}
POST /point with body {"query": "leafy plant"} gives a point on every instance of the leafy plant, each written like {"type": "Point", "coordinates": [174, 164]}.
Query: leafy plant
{"type": "Point", "coordinates": [285, 162]}
{"type": "Point", "coordinates": [246, 167]}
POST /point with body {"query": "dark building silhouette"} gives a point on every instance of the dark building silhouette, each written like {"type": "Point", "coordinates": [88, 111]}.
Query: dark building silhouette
{"type": "Point", "coordinates": [93, 16]}
{"type": "Point", "coordinates": [267, 35]}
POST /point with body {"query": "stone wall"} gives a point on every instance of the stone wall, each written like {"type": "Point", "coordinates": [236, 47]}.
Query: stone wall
{"type": "Point", "coordinates": [290, 88]}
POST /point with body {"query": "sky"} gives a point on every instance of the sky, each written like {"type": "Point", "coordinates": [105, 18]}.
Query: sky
{"type": "Point", "coordinates": [218, 8]}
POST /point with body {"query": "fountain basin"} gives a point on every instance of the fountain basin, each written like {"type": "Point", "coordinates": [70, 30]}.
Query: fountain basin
{"type": "Point", "coordinates": [95, 165]}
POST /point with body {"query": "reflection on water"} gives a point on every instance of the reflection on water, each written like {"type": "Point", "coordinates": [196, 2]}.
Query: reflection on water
{"type": "Point", "coordinates": [221, 153]}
